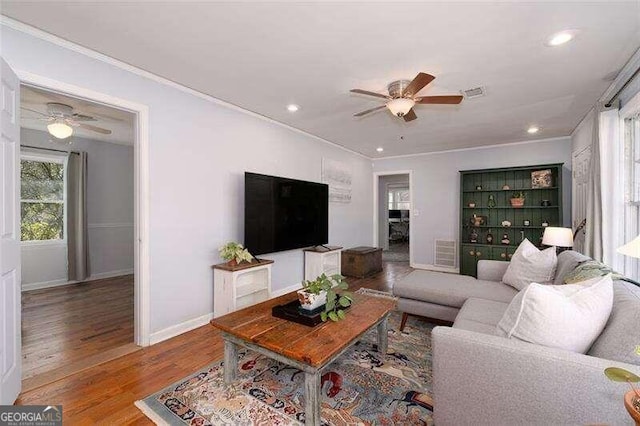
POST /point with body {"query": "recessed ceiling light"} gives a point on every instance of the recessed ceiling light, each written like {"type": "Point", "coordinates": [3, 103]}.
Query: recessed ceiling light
{"type": "Point", "coordinates": [532, 129]}
{"type": "Point", "coordinates": [293, 107]}
{"type": "Point", "coordinates": [561, 38]}
{"type": "Point", "coordinates": [380, 149]}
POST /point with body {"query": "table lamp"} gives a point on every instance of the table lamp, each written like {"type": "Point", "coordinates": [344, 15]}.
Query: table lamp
{"type": "Point", "coordinates": [631, 249]}
{"type": "Point", "coordinates": [561, 238]}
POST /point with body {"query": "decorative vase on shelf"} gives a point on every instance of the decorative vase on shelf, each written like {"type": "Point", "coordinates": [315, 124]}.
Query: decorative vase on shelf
{"type": "Point", "coordinates": [489, 237]}
{"type": "Point", "coordinates": [505, 239]}
{"type": "Point", "coordinates": [492, 201]}
{"type": "Point", "coordinates": [473, 237]}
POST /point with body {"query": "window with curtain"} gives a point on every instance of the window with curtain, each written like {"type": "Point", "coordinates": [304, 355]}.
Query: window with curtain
{"type": "Point", "coordinates": [631, 226]}
{"type": "Point", "coordinates": [42, 198]}
{"type": "Point", "coordinates": [399, 199]}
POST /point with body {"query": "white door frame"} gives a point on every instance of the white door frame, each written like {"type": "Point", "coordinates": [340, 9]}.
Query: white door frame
{"type": "Point", "coordinates": [376, 178]}
{"type": "Point", "coordinates": [141, 188]}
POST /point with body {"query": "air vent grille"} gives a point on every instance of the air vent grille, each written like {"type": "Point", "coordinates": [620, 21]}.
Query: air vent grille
{"type": "Point", "coordinates": [476, 92]}
{"type": "Point", "coordinates": [445, 253]}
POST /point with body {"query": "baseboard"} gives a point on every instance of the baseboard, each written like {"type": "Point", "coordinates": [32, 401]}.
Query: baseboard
{"type": "Point", "coordinates": [176, 330]}
{"type": "Point", "coordinates": [282, 291]}
{"type": "Point", "coordinates": [63, 282]}
{"type": "Point", "coordinates": [435, 268]}
{"type": "Point", "coordinates": [110, 274]}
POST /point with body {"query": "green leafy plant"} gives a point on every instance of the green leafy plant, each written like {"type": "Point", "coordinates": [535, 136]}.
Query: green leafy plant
{"type": "Point", "coordinates": [334, 309]}
{"type": "Point", "coordinates": [519, 195]}
{"type": "Point", "coordinates": [616, 374]}
{"type": "Point", "coordinates": [235, 251]}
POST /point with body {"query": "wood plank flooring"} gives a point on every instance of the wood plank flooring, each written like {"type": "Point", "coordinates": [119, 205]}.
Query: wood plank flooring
{"type": "Point", "coordinates": [66, 325]}
{"type": "Point", "coordinates": [105, 394]}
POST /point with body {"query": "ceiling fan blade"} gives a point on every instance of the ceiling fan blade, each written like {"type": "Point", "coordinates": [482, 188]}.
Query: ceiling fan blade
{"type": "Point", "coordinates": [360, 114]}
{"type": "Point", "coordinates": [453, 99]}
{"type": "Point", "coordinates": [82, 117]}
{"type": "Point", "coordinates": [410, 116]}
{"type": "Point", "coordinates": [366, 92]}
{"type": "Point", "coordinates": [421, 80]}
{"type": "Point", "coordinates": [33, 110]}
{"type": "Point", "coordinates": [90, 127]}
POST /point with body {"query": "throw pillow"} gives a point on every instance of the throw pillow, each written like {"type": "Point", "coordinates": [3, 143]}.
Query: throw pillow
{"type": "Point", "coordinates": [529, 264]}
{"type": "Point", "coordinates": [569, 316]}
{"type": "Point", "coordinates": [590, 269]}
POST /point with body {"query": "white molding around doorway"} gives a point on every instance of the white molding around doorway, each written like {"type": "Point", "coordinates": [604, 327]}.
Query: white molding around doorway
{"type": "Point", "coordinates": [141, 188]}
{"type": "Point", "coordinates": [376, 178]}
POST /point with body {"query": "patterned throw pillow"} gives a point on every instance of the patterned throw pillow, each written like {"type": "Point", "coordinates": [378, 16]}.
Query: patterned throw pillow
{"type": "Point", "coordinates": [590, 269]}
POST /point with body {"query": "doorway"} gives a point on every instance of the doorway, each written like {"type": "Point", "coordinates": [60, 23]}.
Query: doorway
{"type": "Point", "coordinates": [101, 313]}
{"type": "Point", "coordinates": [392, 215]}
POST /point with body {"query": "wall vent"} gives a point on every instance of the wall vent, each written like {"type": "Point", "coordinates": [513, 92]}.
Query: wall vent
{"type": "Point", "coordinates": [445, 253]}
{"type": "Point", "coordinates": [476, 92]}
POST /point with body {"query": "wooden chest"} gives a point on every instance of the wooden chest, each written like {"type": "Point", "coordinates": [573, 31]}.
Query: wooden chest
{"type": "Point", "coordinates": [361, 261]}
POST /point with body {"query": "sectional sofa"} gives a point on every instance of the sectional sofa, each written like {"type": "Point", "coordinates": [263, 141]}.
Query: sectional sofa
{"type": "Point", "coordinates": [482, 378]}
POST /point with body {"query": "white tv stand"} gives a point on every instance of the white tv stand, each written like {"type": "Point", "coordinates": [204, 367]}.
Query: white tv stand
{"type": "Point", "coordinates": [322, 260]}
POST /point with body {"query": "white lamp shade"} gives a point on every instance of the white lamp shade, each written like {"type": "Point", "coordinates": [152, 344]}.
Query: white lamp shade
{"type": "Point", "coordinates": [632, 248]}
{"type": "Point", "coordinates": [60, 130]}
{"type": "Point", "coordinates": [559, 237]}
{"type": "Point", "coordinates": [400, 106]}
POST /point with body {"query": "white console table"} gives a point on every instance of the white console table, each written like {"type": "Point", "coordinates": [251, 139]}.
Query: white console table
{"type": "Point", "coordinates": [320, 260]}
{"type": "Point", "coordinates": [239, 286]}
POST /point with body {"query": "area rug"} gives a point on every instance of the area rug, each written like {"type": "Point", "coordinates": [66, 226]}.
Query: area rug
{"type": "Point", "coordinates": [360, 388]}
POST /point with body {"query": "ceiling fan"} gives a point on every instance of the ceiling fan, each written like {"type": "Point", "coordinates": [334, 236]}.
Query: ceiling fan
{"type": "Point", "coordinates": [62, 120]}
{"type": "Point", "coordinates": [402, 97]}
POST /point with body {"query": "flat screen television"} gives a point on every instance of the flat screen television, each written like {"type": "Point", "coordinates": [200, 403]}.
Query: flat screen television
{"type": "Point", "coordinates": [284, 214]}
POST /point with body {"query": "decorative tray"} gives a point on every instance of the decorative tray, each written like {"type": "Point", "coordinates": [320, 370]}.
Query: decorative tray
{"type": "Point", "coordinates": [291, 312]}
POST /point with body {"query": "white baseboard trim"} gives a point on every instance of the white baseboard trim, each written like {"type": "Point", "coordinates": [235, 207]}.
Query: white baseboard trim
{"type": "Point", "coordinates": [110, 274]}
{"type": "Point", "coordinates": [63, 282]}
{"type": "Point", "coordinates": [281, 291]}
{"type": "Point", "coordinates": [435, 268]}
{"type": "Point", "coordinates": [183, 327]}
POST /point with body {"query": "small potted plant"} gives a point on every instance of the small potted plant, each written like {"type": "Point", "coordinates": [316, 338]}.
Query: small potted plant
{"type": "Point", "coordinates": [632, 397]}
{"type": "Point", "coordinates": [517, 200]}
{"type": "Point", "coordinates": [234, 253]}
{"type": "Point", "coordinates": [322, 291]}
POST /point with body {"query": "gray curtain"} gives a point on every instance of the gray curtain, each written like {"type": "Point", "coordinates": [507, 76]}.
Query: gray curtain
{"type": "Point", "coordinates": [77, 240]}
{"type": "Point", "coordinates": [593, 230]}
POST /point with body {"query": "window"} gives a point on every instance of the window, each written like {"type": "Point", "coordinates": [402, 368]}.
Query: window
{"type": "Point", "coordinates": [42, 196]}
{"type": "Point", "coordinates": [399, 199]}
{"type": "Point", "coordinates": [631, 220]}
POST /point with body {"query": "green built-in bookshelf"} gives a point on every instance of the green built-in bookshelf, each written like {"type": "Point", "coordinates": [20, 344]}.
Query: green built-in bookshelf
{"type": "Point", "coordinates": [476, 186]}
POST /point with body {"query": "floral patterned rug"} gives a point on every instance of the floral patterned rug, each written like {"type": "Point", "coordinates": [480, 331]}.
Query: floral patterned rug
{"type": "Point", "coordinates": [360, 388]}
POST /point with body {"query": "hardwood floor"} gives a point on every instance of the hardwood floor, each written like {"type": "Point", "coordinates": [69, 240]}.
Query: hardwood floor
{"type": "Point", "coordinates": [105, 394]}
{"type": "Point", "coordinates": [67, 325]}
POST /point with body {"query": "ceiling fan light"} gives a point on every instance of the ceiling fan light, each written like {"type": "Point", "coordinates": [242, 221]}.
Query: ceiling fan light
{"type": "Point", "coordinates": [60, 130]}
{"type": "Point", "coordinates": [400, 106]}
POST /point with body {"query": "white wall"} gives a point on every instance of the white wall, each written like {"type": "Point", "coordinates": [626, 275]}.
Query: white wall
{"type": "Point", "coordinates": [436, 185]}
{"type": "Point", "coordinates": [198, 152]}
{"type": "Point", "coordinates": [110, 210]}
{"type": "Point", "coordinates": [383, 206]}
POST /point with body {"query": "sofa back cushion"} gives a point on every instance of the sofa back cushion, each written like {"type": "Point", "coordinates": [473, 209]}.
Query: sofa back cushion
{"type": "Point", "coordinates": [569, 316]}
{"type": "Point", "coordinates": [568, 260]}
{"type": "Point", "coordinates": [620, 340]}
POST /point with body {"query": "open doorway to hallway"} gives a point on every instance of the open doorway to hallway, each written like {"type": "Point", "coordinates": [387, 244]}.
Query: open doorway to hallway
{"type": "Point", "coordinates": [394, 218]}
{"type": "Point", "coordinates": [77, 232]}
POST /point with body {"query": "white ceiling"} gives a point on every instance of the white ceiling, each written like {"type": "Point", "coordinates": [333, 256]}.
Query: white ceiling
{"type": "Point", "coordinates": [262, 56]}
{"type": "Point", "coordinates": [121, 123]}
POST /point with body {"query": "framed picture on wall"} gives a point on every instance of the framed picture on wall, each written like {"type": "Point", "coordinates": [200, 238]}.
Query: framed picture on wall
{"type": "Point", "coordinates": [541, 179]}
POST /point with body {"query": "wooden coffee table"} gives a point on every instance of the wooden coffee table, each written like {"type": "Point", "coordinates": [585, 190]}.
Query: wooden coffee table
{"type": "Point", "coordinates": [309, 349]}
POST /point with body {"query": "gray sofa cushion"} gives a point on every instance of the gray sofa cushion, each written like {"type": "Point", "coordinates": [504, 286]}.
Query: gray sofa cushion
{"type": "Point", "coordinates": [567, 262]}
{"type": "Point", "coordinates": [480, 315]}
{"type": "Point", "coordinates": [450, 289]}
{"type": "Point", "coordinates": [620, 339]}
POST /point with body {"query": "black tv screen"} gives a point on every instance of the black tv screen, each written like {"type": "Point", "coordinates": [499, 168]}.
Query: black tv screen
{"type": "Point", "coordinates": [284, 214]}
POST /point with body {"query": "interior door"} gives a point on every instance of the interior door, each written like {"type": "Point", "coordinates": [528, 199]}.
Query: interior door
{"type": "Point", "coordinates": [580, 165]}
{"type": "Point", "coordinates": [10, 341]}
